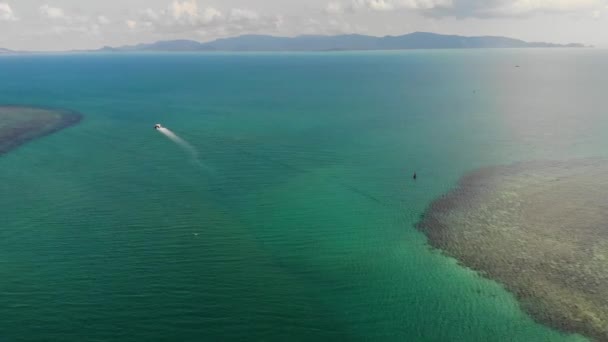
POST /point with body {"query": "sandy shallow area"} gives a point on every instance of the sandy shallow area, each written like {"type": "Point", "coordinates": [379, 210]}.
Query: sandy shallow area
{"type": "Point", "coordinates": [19, 125]}
{"type": "Point", "coordinates": [540, 229]}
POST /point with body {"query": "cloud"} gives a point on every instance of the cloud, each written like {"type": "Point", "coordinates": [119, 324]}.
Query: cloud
{"type": "Point", "coordinates": [132, 24]}
{"type": "Point", "coordinates": [181, 14]}
{"type": "Point", "coordinates": [52, 12]}
{"type": "Point", "coordinates": [64, 23]}
{"type": "Point", "coordinates": [239, 14]}
{"type": "Point", "coordinates": [468, 8]}
{"type": "Point", "coordinates": [354, 6]}
{"type": "Point", "coordinates": [210, 14]}
{"type": "Point", "coordinates": [521, 7]}
{"type": "Point", "coordinates": [510, 8]}
{"type": "Point", "coordinates": [187, 16]}
{"type": "Point", "coordinates": [6, 12]}
{"type": "Point", "coordinates": [375, 5]}
{"type": "Point", "coordinates": [103, 20]}
{"type": "Point", "coordinates": [184, 9]}
{"type": "Point", "coordinates": [90, 30]}
{"type": "Point", "coordinates": [187, 12]}
{"type": "Point", "coordinates": [150, 14]}
{"type": "Point", "coordinates": [334, 8]}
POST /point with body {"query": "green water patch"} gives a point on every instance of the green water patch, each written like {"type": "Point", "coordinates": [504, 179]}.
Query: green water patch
{"type": "Point", "coordinates": [540, 229]}
{"type": "Point", "coordinates": [19, 124]}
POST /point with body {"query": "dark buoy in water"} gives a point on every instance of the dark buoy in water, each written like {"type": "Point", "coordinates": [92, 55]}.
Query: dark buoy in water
{"type": "Point", "coordinates": [414, 176]}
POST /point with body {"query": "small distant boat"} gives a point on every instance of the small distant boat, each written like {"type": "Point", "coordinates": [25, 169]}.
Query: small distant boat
{"type": "Point", "coordinates": [158, 126]}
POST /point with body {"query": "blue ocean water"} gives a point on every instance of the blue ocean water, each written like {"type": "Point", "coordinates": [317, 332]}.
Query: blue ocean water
{"type": "Point", "coordinates": [297, 220]}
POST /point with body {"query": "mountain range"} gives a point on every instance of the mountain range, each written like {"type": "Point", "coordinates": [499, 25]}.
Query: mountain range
{"type": "Point", "coordinates": [416, 40]}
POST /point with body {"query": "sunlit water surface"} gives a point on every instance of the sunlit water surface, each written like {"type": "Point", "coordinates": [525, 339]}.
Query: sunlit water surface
{"type": "Point", "coordinates": [296, 221]}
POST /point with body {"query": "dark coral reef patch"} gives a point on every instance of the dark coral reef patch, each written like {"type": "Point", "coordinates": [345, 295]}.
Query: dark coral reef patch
{"type": "Point", "coordinates": [19, 124]}
{"type": "Point", "coordinates": [540, 229]}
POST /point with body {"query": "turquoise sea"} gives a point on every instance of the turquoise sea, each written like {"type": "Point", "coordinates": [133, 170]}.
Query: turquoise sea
{"type": "Point", "coordinates": [298, 221]}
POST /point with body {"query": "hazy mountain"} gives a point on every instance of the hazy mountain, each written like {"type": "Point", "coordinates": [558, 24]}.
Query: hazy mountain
{"type": "Point", "coordinates": [6, 51]}
{"type": "Point", "coordinates": [170, 45]}
{"type": "Point", "coordinates": [417, 40]}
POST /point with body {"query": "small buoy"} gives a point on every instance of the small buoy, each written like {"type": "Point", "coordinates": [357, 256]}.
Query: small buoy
{"type": "Point", "coordinates": [414, 175]}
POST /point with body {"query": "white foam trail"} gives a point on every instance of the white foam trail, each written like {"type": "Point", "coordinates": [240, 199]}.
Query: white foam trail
{"type": "Point", "coordinates": [186, 146]}
{"type": "Point", "coordinates": [181, 142]}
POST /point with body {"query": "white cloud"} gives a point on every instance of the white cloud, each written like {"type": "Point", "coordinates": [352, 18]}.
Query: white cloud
{"type": "Point", "coordinates": [184, 13]}
{"type": "Point", "coordinates": [375, 5]}
{"type": "Point", "coordinates": [514, 8]}
{"type": "Point", "coordinates": [103, 20]}
{"type": "Point", "coordinates": [279, 21]}
{"type": "Point", "coordinates": [66, 24]}
{"type": "Point", "coordinates": [522, 7]}
{"type": "Point", "coordinates": [52, 12]}
{"type": "Point", "coordinates": [63, 29]}
{"type": "Point", "coordinates": [95, 29]}
{"type": "Point", "coordinates": [187, 16]}
{"type": "Point", "coordinates": [6, 12]}
{"type": "Point", "coordinates": [187, 8]}
{"type": "Point", "coordinates": [334, 8]}
{"type": "Point", "coordinates": [238, 14]}
{"type": "Point", "coordinates": [150, 14]}
{"type": "Point", "coordinates": [209, 14]}
{"type": "Point", "coordinates": [132, 24]}
{"type": "Point", "coordinates": [385, 5]}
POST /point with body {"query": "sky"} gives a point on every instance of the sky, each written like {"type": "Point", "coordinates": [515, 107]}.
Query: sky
{"type": "Point", "coordinates": [52, 25]}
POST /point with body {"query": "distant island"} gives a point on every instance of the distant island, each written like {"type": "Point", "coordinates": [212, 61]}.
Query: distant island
{"type": "Point", "coordinates": [349, 42]}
